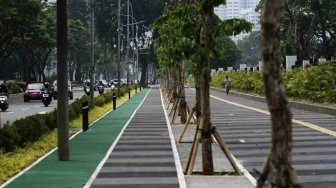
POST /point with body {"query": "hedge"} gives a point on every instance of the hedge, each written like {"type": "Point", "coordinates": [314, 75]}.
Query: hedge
{"type": "Point", "coordinates": [317, 84]}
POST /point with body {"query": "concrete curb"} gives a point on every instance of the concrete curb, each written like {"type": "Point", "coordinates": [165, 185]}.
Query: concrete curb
{"type": "Point", "coordinates": [297, 105]}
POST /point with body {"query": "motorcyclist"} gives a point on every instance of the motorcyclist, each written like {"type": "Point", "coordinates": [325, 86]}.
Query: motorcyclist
{"type": "Point", "coordinates": [100, 87]}
{"type": "Point", "coordinates": [100, 83]}
{"type": "Point", "coordinates": [46, 87]}
{"type": "Point", "coordinates": [3, 88]}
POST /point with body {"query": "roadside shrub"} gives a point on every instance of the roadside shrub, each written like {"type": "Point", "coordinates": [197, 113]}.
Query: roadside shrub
{"type": "Point", "coordinates": [316, 84]}
{"type": "Point", "coordinates": [31, 128]}
{"type": "Point", "coordinates": [108, 97]}
{"type": "Point", "coordinates": [100, 100]}
{"type": "Point", "coordinates": [123, 90]}
{"type": "Point", "coordinates": [14, 88]}
{"type": "Point", "coordinates": [51, 120]}
{"type": "Point", "coordinates": [75, 109]}
{"type": "Point", "coordinates": [9, 138]}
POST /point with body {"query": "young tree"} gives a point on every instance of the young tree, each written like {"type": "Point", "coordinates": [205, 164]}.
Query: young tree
{"type": "Point", "coordinates": [198, 42]}
{"type": "Point", "coordinates": [278, 165]}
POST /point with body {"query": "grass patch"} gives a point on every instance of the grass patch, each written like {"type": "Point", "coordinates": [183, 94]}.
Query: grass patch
{"type": "Point", "coordinates": [14, 162]}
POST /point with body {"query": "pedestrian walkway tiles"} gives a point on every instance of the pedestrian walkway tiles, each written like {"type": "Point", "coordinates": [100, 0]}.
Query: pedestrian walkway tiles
{"type": "Point", "coordinates": [143, 157]}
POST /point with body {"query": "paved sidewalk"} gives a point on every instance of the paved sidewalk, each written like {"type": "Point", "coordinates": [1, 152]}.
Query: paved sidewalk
{"type": "Point", "coordinates": [143, 156]}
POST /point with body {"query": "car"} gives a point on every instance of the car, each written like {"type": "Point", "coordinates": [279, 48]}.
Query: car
{"type": "Point", "coordinates": [123, 82]}
{"type": "Point", "coordinates": [33, 92]}
{"type": "Point", "coordinates": [54, 90]}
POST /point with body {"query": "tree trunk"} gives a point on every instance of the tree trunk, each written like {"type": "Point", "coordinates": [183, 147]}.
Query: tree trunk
{"type": "Point", "coordinates": [198, 96]}
{"type": "Point", "coordinates": [280, 158]}
{"type": "Point", "coordinates": [174, 84]}
{"type": "Point", "coordinates": [183, 103]}
{"type": "Point", "coordinates": [144, 73]}
{"type": "Point", "coordinates": [62, 82]}
{"type": "Point", "coordinates": [207, 160]}
{"type": "Point", "coordinates": [78, 73]}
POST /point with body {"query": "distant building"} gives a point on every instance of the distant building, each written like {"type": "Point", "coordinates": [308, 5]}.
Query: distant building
{"type": "Point", "coordinates": [244, 9]}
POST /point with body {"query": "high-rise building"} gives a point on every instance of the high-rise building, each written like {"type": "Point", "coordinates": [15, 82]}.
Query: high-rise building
{"type": "Point", "coordinates": [240, 9]}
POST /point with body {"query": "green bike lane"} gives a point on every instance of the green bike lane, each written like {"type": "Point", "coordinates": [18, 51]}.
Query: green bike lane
{"type": "Point", "coordinates": [87, 150]}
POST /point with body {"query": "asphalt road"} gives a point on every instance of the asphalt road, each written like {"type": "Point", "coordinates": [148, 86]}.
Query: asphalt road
{"type": "Point", "coordinates": [19, 109]}
{"type": "Point", "coordinates": [246, 127]}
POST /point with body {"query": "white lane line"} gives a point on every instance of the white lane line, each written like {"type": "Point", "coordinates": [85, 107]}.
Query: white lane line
{"type": "Point", "coordinates": [306, 124]}
{"type": "Point", "coordinates": [179, 169]}
{"type": "Point", "coordinates": [42, 112]}
{"type": "Point", "coordinates": [25, 109]}
{"type": "Point", "coordinates": [37, 106]}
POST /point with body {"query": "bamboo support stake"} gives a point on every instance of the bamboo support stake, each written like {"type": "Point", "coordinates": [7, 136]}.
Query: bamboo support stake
{"type": "Point", "coordinates": [226, 150]}
{"type": "Point", "coordinates": [192, 147]}
{"type": "Point", "coordinates": [169, 101]}
{"type": "Point", "coordinates": [194, 153]}
{"type": "Point", "coordinates": [168, 98]}
{"type": "Point", "coordinates": [174, 106]}
{"type": "Point", "coordinates": [187, 123]}
{"type": "Point", "coordinates": [185, 127]}
{"type": "Point", "coordinates": [175, 111]}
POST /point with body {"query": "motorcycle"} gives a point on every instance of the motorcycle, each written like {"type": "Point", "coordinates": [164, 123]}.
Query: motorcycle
{"type": "Point", "coordinates": [100, 89]}
{"type": "Point", "coordinates": [3, 102]}
{"type": "Point", "coordinates": [87, 91]}
{"type": "Point", "coordinates": [46, 99]}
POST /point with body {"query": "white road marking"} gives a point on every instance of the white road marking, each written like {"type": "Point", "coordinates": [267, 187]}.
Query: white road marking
{"type": "Point", "coordinates": [306, 124]}
{"type": "Point", "coordinates": [25, 109]}
{"type": "Point", "coordinates": [42, 112]}
{"type": "Point", "coordinates": [179, 169]}
{"type": "Point", "coordinates": [37, 106]}
{"type": "Point", "coordinates": [242, 141]}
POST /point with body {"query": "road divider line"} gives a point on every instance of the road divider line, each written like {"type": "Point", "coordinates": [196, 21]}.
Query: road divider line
{"type": "Point", "coordinates": [306, 124]}
{"type": "Point", "coordinates": [24, 109]}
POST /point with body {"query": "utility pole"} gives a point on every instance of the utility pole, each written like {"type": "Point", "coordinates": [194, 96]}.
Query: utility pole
{"type": "Point", "coordinates": [119, 23]}
{"type": "Point", "coordinates": [62, 82]}
{"type": "Point", "coordinates": [128, 42]}
{"type": "Point", "coordinates": [92, 53]}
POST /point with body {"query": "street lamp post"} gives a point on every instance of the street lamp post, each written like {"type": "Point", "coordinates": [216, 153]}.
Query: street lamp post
{"type": "Point", "coordinates": [127, 46]}
{"type": "Point", "coordinates": [92, 53]}
{"type": "Point", "coordinates": [119, 25]}
{"type": "Point", "coordinates": [134, 22]}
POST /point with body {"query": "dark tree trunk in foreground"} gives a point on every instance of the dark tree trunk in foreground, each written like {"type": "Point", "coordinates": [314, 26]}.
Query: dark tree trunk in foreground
{"type": "Point", "coordinates": [207, 161]}
{"type": "Point", "coordinates": [62, 82]}
{"type": "Point", "coordinates": [281, 173]}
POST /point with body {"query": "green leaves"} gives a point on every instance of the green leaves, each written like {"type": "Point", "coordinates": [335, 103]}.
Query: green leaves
{"type": "Point", "coordinates": [207, 5]}
{"type": "Point", "coordinates": [231, 27]}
